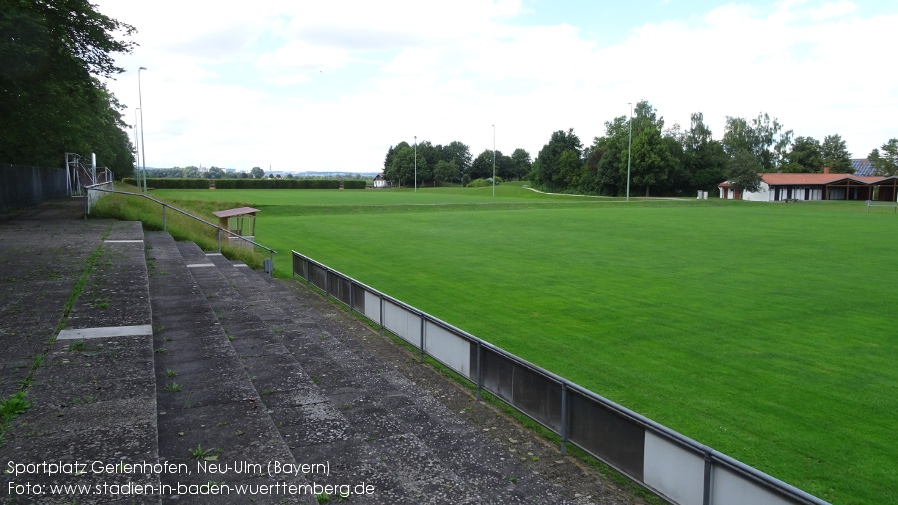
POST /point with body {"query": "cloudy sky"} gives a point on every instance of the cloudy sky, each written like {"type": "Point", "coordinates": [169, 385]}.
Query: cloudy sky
{"type": "Point", "coordinates": [331, 85]}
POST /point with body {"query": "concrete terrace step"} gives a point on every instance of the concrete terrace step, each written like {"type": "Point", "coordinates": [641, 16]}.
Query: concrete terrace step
{"type": "Point", "coordinates": [93, 398]}
{"type": "Point", "coordinates": [397, 436]}
{"type": "Point", "coordinates": [205, 397]}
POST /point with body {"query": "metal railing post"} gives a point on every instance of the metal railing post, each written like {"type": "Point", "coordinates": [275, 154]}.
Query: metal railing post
{"type": "Point", "coordinates": [564, 409]}
{"type": "Point", "coordinates": [706, 494]}
{"type": "Point", "coordinates": [271, 259]}
{"type": "Point", "coordinates": [422, 336]}
{"type": "Point", "coordinates": [164, 227]}
{"type": "Point", "coordinates": [350, 297]}
{"type": "Point", "coordinates": [479, 370]}
{"type": "Point", "coordinates": [219, 240]}
{"type": "Point", "coordinates": [381, 314]}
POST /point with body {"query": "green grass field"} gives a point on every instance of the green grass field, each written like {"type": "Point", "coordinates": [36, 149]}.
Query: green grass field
{"type": "Point", "coordinates": [763, 330]}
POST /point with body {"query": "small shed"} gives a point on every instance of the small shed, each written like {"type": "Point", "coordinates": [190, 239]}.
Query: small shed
{"type": "Point", "coordinates": [240, 221]}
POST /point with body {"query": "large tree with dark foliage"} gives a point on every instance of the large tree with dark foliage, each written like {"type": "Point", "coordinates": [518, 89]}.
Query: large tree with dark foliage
{"type": "Point", "coordinates": [549, 171]}
{"type": "Point", "coordinates": [836, 155]}
{"type": "Point", "coordinates": [54, 55]}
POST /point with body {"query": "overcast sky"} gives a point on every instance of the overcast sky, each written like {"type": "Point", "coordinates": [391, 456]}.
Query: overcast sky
{"type": "Point", "coordinates": [331, 85]}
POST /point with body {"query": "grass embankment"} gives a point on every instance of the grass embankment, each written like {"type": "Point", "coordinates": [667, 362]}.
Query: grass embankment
{"type": "Point", "coordinates": [181, 227]}
{"type": "Point", "coordinates": [762, 330]}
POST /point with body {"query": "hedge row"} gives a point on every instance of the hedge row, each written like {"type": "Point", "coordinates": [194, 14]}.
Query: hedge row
{"type": "Point", "coordinates": [173, 183]}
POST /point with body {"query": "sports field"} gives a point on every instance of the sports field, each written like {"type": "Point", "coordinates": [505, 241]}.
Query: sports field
{"type": "Point", "coordinates": [766, 331]}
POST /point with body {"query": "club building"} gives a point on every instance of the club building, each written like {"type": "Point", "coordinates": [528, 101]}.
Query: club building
{"type": "Point", "coordinates": [809, 187]}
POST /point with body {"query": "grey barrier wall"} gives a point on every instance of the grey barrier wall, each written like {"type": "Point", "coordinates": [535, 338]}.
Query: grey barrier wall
{"type": "Point", "coordinates": [677, 468]}
{"type": "Point", "coordinates": [95, 192]}
{"type": "Point", "coordinates": [23, 186]}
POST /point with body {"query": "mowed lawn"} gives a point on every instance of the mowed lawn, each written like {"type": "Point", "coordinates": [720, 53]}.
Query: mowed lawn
{"type": "Point", "coordinates": [766, 331]}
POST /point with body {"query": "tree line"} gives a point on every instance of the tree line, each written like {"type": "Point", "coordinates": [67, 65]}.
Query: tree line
{"type": "Point", "coordinates": [676, 161]}
{"type": "Point", "coordinates": [452, 163]}
{"type": "Point", "coordinates": [54, 54]}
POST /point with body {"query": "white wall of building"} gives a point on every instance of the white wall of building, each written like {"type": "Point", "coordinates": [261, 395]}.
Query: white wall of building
{"type": "Point", "coordinates": [763, 194]}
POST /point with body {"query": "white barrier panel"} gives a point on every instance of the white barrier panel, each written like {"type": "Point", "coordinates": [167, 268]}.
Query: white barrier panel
{"type": "Point", "coordinates": [734, 489]}
{"type": "Point", "coordinates": [674, 471]}
{"type": "Point", "coordinates": [402, 322]}
{"type": "Point", "coordinates": [372, 306]}
{"type": "Point", "coordinates": [452, 350]}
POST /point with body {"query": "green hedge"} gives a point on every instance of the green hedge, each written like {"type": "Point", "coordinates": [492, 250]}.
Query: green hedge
{"type": "Point", "coordinates": [173, 183]}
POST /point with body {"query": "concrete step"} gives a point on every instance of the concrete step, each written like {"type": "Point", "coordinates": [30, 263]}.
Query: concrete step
{"type": "Point", "coordinates": [205, 397]}
{"type": "Point", "coordinates": [93, 397]}
{"type": "Point", "coordinates": [397, 436]}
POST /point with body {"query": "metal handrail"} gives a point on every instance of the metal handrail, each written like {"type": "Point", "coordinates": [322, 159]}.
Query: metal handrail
{"type": "Point", "coordinates": [710, 455]}
{"type": "Point", "coordinates": [271, 252]}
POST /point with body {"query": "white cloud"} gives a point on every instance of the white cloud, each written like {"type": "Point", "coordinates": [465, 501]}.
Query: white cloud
{"type": "Point", "coordinates": [832, 10]}
{"type": "Point", "coordinates": [331, 85]}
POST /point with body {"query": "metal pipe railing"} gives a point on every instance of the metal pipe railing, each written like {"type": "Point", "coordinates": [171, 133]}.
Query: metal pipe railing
{"type": "Point", "coordinates": [271, 252]}
{"type": "Point", "coordinates": [711, 457]}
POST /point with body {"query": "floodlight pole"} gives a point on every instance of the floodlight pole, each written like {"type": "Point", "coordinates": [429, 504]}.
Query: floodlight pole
{"type": "Point", "coordinates": [629, 149]}
{"type": "Point", "coordinates": [136, 145]}
{"type": "Point", "coordinates": [143, 144]}
{"type": "Point", "coordinates": [416, 163]}
{"type": "Point", "coordinates": [494, 160]}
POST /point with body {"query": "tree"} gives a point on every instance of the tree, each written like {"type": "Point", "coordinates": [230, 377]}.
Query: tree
{"type": "Point", "coordinates": [54, 53]}
{"type": "Point", "coordinates": [835, 155]}
{"type": "Point", "coordinates": [759, 138]}
{"type": "Point", "coordinates": [806, 156]}
{"type": "Point", "coordinates": [611, 167]}
{"type": "Point", "coordinates": [431, 155]}
{"type": "Point", "coordinates": [257, 173]}
{"type": "Point", "coordinates": [402, 168]}
{"type": "Point", "coordinates": [704, 159]}
{"type": "Point", "coordinates": [445, 171]}
{"type": "Point", "coordinates": [389, 164]}
{"type": "Point", "coordinates": [458, 153]}
{"type": "Point", "coordinates": [520, 164]}
{"type": "Point", "coordinates": [650, 159]}
{"type": "Point", "coordinates": [570, 169]}
{"type": "Point", "coordinates": [885, 163]}
{"type": "Point", "coordinates": [548, 172]}
{"type": "Point", "coordinates": [651, 156]}
{"type": "Point", "coordinates": [215, 173]}
{"type": "Point", "coordinates": [742, 171]}
{"type": "Point", "coordinates": [482, 168]}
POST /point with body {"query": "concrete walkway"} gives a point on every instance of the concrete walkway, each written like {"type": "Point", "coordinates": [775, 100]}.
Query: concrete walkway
{"type": "Point", "coordinates": [186, 375]}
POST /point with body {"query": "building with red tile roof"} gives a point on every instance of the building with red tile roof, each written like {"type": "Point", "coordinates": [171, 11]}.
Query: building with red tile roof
{"type": "Point", "coordinates": [808, 187]}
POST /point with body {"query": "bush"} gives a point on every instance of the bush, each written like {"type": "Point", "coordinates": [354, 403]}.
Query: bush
{"type": "Point", "coordinates": [481, 183]}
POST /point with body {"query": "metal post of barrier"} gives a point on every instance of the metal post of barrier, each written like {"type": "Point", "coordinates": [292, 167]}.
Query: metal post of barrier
{"type": "Point", "coordinates": [219, 240]}
{"type": "Point", "coordinates": [706, 496]}
{"type": "Point", "coordinates": [350, 298]}
{"type": "Point", "coordinates": [479, 370]}
{"type": "Point", "coordinates": [164, 227]}
{"type": "Point", "coordinates": [381, 314]}
{"type": "Point", "coordinates": [327, 284]}
{"type": "Point", "coordinates": [271, 259]}
{"type": "Point", "coordinates": [564, 418]}
{"type": "Point", "coordinates": [421, 315]}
